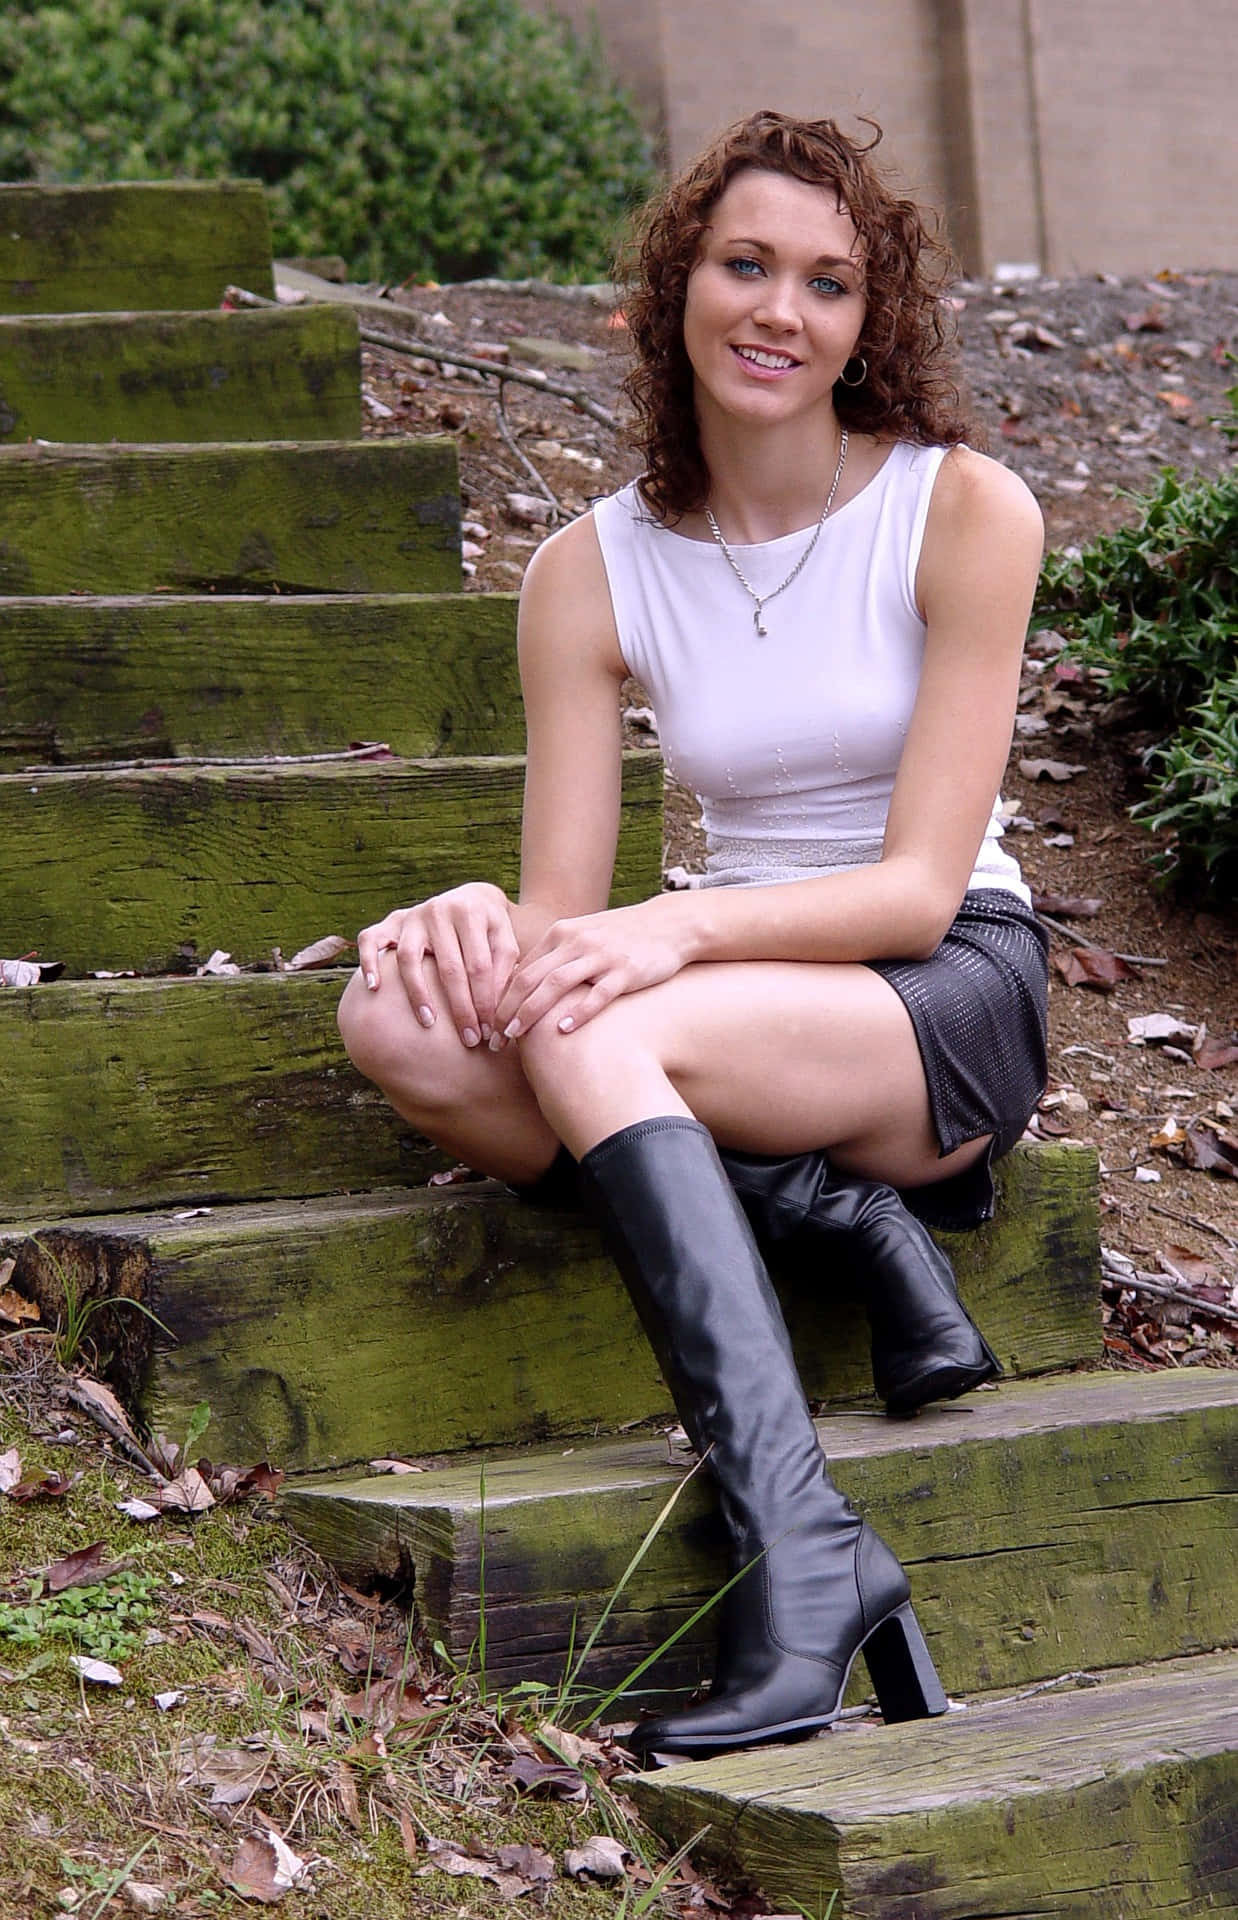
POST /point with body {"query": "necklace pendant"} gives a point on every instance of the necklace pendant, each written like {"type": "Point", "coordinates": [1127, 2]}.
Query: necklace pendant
{"type": "Point", "coordinates": [759, 624]}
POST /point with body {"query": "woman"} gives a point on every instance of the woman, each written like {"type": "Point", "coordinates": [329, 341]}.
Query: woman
{"type": "Point", "coordinates": [826, 593]}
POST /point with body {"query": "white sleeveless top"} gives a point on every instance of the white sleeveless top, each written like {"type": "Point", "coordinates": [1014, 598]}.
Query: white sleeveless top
{"type": "Point", "coordinates": [791, 742]}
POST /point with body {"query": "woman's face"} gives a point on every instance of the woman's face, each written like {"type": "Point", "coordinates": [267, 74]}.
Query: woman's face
{"type": "Point", "coordinates": [775, 302]}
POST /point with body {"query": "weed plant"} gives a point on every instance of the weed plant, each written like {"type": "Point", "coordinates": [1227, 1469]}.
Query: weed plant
{"type": "Point", "coordinates": [1153, 608]}
{"type": "Point", "coordinates": [444, 138]}
{"type": "Point", "coordinates": [108, 1621]}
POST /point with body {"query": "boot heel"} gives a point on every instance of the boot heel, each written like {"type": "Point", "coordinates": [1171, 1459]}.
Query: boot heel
{"type": "Point", "coordinates": [901, 1668]}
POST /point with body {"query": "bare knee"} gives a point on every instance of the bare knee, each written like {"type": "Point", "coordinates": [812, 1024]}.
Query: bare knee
{"type": "Point", "coordinates": [385, 1042]}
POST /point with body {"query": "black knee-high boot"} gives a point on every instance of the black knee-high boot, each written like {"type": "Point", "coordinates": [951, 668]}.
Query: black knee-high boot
{"type": "Point", "coordinates": [821, 1585]}
{"type": "Point", "coordinates": [925, 1345]}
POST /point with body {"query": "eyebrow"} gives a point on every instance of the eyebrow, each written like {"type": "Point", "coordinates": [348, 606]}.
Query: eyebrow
{"type": "Point", "coordinates": [822, 259]}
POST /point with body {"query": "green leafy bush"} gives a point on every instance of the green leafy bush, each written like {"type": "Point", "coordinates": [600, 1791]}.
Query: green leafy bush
{"type": "Point", "coordinates": [443, 138]}
{"type": "Point", "coordinates": [1154, 607]}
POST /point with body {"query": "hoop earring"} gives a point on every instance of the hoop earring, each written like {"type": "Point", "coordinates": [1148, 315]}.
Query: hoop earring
{"type": "Point", "coordinates": [861, 377]}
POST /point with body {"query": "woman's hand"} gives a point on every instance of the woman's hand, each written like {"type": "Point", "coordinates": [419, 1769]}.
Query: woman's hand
{"type": "Point", "coordinates": [469, 934]}
{"type": "Point", "coordinates": [581, 964]}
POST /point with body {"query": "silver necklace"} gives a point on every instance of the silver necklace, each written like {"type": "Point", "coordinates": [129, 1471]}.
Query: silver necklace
{"type": "Point", "coordinates": [761, 600]}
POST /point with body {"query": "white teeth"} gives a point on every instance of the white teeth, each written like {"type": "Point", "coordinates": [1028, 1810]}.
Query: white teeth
{"type": "Point", "coordinates": [762, 359]}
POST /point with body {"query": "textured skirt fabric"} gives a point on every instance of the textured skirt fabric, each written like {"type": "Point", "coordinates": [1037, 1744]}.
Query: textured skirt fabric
{"type": "Point", "coordinates": [979, 1006]}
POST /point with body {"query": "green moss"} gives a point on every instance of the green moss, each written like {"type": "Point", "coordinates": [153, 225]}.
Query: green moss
{"type": "Point", "coordinates": [169, 677]}
{"type": "Point", "coordinates": [122, 248]}
{"type": "Point", "coordinates": [285, 374]}
{"type": "Point", "coordinates": [333, 517]}
{"type": "Point", "coordinates": [252, 858]}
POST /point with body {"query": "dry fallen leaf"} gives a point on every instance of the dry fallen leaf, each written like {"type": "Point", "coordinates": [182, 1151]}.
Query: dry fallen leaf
{"type": "Point", "coordinates": [1212, 1053]}
{"type": "Point", "coordinates": [322, 953]}
{"type": "Point", "coordinates": [136, 1509]}
{"type": "Point", "coordinates": [85, 1568]}
{"type": "Point", "coordinates": [51, 1484]}
{"type": "Point", "coordinates": [1070, 906]}
{"type": "Point", "coordinates": [396, 1466]}
{"type": "Point", "coordinates": [265, 1868]}
{"type": "Point", "coordinates": [600, 1856]}
{"type": "Point", "coordinates": [234, 1774]}
{"type": "Point", "coordinates": [220, 963]}
{"type": "Point", "coordinates": [1158, 1029]}
{"type": "Point", "coordinates": [15, 1309]}
{"type": "Point", "coordinates": [1210, 1150]}
{"type": "Point", "coordinates": [1049, 770]}
{"type": "Point", "coordinates": [547, 1777]}
{"type": "Point", "coordinates": [101, 1673]}
{"type": "Point", "coordinates": [10, 1469]}
{"type": "Point", "coordinates": [1092, 967]}
{"type": "Point", "coordinates": [1191, 1268]}
{"type": "Point", "coordinates": [188, 1493]}
{"type": "Point", "coordinates": [19, 973]}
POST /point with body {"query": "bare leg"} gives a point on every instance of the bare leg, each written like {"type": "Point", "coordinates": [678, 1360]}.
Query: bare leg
{"type": "Point", "coordinates": [773, 1057]}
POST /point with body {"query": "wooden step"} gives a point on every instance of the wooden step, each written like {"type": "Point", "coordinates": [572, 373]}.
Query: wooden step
{"type": "Point", "coordinates": [283, 374]}
{"type": "Point", "coordinates": [168, 677]}
{"type": "Point", "coordinates": [361, 516]}
{"type": "Point", "coordinates": [333, 1330]}
{"type": "Point", "coordinates": [175, 1093]}
{"type": "Point", "coordinates": [150, 244]}
{"type": "Point", "coordinates": [136, 869]}
{"type": "Point", "coordinates": [1105, 1802]}
{"type": "Point", "coordinates": [1078, 1521]}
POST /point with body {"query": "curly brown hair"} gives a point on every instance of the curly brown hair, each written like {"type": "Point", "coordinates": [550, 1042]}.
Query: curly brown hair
{"type": "Point", "coordinates": [910, 391]}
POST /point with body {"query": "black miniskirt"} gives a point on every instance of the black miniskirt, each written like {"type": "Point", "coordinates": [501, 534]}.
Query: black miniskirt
{"type": "Point", "coordinates": [979, 1006]}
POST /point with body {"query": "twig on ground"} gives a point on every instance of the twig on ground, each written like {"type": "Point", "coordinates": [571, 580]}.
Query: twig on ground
{"type": "Point", "coordinates": [597, 293]}
{"type": "Point", "coordinates": [509, 440]}
{"type": "Point", "coordinates": [88, 1404]}
{"type": "Point", "coordinates": [452, 357]}
{"type": "Point", "coordinates": [1080, 940]}
{"type": "Point", "coordinates": [1193, 1220]}
{"type": "Point", "coordinates": [1159, 1289]}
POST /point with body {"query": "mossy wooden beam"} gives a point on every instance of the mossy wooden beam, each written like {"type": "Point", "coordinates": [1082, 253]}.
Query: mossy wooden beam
{"type": "Point", "coordinates": [363, 516]}
{"type": "Point", "coordinates": [1100, 1803]}
{"type": "Point", "coordinates": [1059, 1524]}
{"type": "Point", "coordinates": [133, 869]}
{"type": "Point", "coordinates": [165, 676]}
{"type": "Point", "coordinates": [149, 1093]}
{"type": "Point", "coordinates": [478, 1321]}
{"type": "Point", "coordinates": [282, 374]}
{"type": "Point", "coordinates": [153, 244]}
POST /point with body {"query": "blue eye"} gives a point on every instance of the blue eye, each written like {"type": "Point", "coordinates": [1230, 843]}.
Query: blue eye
{"type": "Point", "coordinates": [826, 283]}
{"type": "Point", "coordinates": [742, 264]}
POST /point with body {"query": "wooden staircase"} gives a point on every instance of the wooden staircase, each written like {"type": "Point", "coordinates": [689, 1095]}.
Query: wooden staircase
{"type": "Point", "coordinates": [241, 577]}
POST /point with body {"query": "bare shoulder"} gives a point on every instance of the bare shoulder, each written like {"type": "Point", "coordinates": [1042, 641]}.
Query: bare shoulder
{"type": "Point", "coordinates": [565, 598]}
{"type": "Point", "coordinates": [567, 560]}
{"type": "Point", "coordinates": [976, 495]}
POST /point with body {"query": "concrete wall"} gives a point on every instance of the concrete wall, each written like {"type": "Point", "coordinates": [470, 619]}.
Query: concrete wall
{"type": "Point", "coordinates": [1075, 135]}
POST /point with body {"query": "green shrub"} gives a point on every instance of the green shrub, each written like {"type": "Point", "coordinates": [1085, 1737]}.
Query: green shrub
{"type": "Point", "coordinates": [1154, 606]}
{"type": "Point", "coordinates": [437, 138]}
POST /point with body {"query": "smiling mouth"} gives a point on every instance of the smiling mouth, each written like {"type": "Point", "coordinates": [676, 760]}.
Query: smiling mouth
{"type": "Point", "coordinates": [760, 357]}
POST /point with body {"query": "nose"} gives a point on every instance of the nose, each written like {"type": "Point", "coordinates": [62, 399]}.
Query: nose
{"type": "Point", "coordinates": [778, 307]}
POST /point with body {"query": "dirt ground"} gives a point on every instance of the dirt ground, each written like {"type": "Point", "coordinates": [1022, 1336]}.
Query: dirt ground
{"type": "Point", "coordinates": [1087, 387]}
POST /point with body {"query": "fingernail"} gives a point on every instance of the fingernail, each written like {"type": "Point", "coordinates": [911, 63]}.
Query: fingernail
{"type": "Point", "coordinates": [512, 1030]}
{"type": "Point", "coordinates": [566, 1024]}
{"type": "Point", "coordinates": [485, 1031]}
{"type": "Point", "coordinates": [470, 1036]}
{"type": "Point", "coordinates": [426, 1016]}
{"type": "Point", "coordinates": [496, 1043]}
{"type": "Point", "coordinates": [371, 981]}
